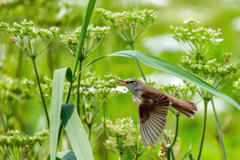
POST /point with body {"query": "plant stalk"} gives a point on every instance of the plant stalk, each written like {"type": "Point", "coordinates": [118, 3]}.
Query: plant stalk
{"type": "Point", "coordinates": [40, 89]}
{"type": "Point", "coordinates": [78, 87]}
{"type": "Point", "coordinates": [89, 131]}
{"type": "Point", "coordinates": [3, 122]}
{"type": "Point", "coordinates": [20, 60]}
{"type": "Point", "coordinates": [203, 129]}
{"type": "Point", "coordinates": [136, 157]}
{"type": "Point", "coordinates": [105, 129]}
{"type": "Point", "coordinates": [139, 66]}
{"type": "Point", "coordinates": [219, 131]}
{"type": "Point", "coordinates": [120, 156]}
{"type": "Point", "coordinates": [169, 149]}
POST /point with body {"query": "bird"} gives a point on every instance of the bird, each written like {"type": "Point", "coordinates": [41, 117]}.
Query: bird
{"type": "Point", "coordinates": [153, 108]}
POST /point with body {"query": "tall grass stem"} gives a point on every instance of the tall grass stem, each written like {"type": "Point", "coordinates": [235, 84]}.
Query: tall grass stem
{"type": "Point", "coordinates": [78, 86]}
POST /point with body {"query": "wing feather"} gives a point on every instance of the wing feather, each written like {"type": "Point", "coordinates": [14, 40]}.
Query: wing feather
{"type": "Point", "coordinates": [143, 135]}
{"type": "Point", "coordinates": [152, 122]}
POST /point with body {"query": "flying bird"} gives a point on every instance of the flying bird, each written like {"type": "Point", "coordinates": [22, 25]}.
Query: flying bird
{"type": "Point", "coordinates": [153, 108]}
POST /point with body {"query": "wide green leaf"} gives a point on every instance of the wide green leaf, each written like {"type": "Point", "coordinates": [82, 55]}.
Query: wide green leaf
{"type": "Point", "coordinates": [168, 67]}
{"type": "Point", "coordinates": [75, 132]}
{"type": "Point", "coordinates": [56, 103]}
{"type": "Point", "coordinates": [66, 155]}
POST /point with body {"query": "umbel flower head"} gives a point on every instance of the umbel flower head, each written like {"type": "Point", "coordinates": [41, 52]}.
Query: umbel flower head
{"type": "Point", "coordinates": [181, 91]}
{"type": "Point", "coordinates": [28, 38]}
{"type": "Point", "coordinates": [236, 87]}
{"type": "Point", "coordinates": [13, 89]}
{"type": "Point", "coordinates": [196, 40]}
{"type": "Point", "coordinates": [21, 146]}
{"type": "Point", "coordinates": [128, 25]}
{"type": "Point", "coordinates": [212, 72]}
{"type": "Point", "coordinates": [93, 38]}
{"type": "Point", "coordinates": [124, 137]}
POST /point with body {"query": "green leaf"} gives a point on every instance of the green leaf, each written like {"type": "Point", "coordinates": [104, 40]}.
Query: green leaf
{"type": "Point", "coordinates": [75, 132]}
{"type": "Point", "coordinates": [168, 67]}
{"type": "Point", "coordinates": [66, 155]}
{"type": "Point", "coordinates": [56, 103]}
{"type": "Point", "coordinates": [86, 21]}
{"type": "Point", "coordinates": [49, 157]}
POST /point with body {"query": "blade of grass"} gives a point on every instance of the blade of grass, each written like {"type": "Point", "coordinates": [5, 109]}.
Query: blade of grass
{"type": "Point", "coordinates": [86, 21]}
{"type": "Point", "coordinates": [56, 103]}
{"type": "Point", "coordinates": [75, 132]}
{"type": "Point", "coordinates": [168, 67]}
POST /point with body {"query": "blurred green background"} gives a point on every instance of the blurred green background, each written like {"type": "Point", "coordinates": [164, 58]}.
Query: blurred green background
{"type": "Point", "coordinates": [68, 14]}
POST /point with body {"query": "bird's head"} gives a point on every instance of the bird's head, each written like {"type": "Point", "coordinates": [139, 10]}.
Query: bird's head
{"type": "Point", "coordinates": [133, 84]}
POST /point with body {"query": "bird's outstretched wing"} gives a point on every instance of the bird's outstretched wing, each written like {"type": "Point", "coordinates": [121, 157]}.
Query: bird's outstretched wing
{"type": "Point", "coordinates": [152, 120]}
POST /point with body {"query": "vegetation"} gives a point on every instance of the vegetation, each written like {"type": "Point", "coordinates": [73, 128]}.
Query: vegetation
{"type": "Point", "coordinates": [70, 90]}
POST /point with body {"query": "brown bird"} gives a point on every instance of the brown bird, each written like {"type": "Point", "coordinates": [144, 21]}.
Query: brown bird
{"type": "Point", "coordinates": [153, 108]}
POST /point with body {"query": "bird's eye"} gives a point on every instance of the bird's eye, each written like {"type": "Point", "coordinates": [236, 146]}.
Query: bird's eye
{"type": "Point", "coordinates": [134, 82]}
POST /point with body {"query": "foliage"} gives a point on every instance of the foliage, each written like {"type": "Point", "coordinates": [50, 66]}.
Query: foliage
{"type": "Point", "coordinates": [91, 93]}
{"type": "Point", "coordinates": [124, 137]}
{"type": "Point", "coordinates": [13, 146]}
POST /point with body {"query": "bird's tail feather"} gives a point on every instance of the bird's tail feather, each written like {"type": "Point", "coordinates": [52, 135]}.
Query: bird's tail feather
{"type": "Point", "coordinates": [185, 107]}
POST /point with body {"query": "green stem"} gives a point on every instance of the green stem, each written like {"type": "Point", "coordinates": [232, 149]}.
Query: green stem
{"type": "Point", "coordinates": [219, 131]}
{"type": "Point", "coordinates": [176, 130]}
{"type": "Point", "coordinates": [169, 149]}
{"type": "Point", "coordinates": [78, 87]}
{"type": "Point", "coordinates": [173, 157]}
{"type": "Point", "coordinates": [20, 60]}
{"type": "Point", "coordinates": [40, 89]}
{"type": "Point", "coordinates": [105, 129]}
{"type": "Point", "coordinates": [3, 122]}
{"type": "Point", "coordinates": [136, 157]}
{"type": "Point", "coordinates": [139, 66]}
{"type": "Point", "coordinates": [203, 129]}
{"type": "Point", "coordinates": [120, 156]}
{"type": "Point", "coordinates": [168, 154]}
{"type": "Point", "coordinates": [89, 131]}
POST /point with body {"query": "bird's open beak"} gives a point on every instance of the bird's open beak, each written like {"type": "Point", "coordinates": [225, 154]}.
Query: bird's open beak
{"type": "Point", "coordinates": [122, 84]}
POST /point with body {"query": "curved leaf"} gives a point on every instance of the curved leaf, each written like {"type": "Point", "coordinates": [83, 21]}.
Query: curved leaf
{"type": "Point", "coordinates": [168, 67]}
{"type": "Point", "coordinates": [75, 132]}
{"type": "Point", "coordinates": [56, 103]}
{"type": "Point", "coordinates": [66, 155]}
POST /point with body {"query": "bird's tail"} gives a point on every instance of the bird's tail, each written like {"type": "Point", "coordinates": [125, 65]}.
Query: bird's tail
{"type": "Point", "coordinates": [185, 107]}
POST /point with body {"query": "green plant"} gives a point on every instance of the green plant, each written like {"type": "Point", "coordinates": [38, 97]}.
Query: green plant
{"type": "Point", "coordinates": [124, 138]}
{"type": "Point", "coordinates": [32, 42]}
{"type": "Point", "coordinates": [89, 94]}
{"type": "Point", "coordinates": [198, 42]}
{"type": "Point", "coordinates": [14, 94]}
{"type": "Point", "coordinates": [15, 147]}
